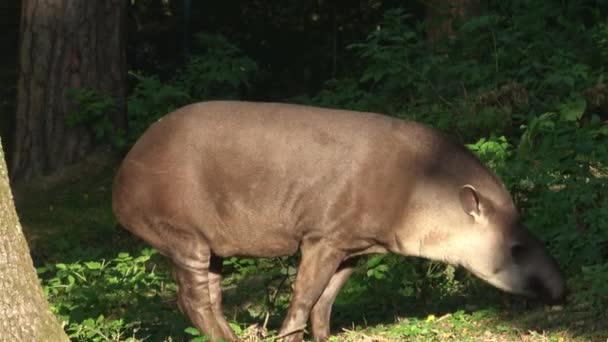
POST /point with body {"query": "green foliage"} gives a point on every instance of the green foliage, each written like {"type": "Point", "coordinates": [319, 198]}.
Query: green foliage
{"type": "Point", "coordinates": [197, 337]}
{"type": "Point", "coordinates": [563, 168]}
{"type": "Point", "coordinates": [218, 71]}
{"type": "Point", "coordinates": [494, 152]}
{"type": "Point", "coordinates": [150, 100]}
{"type": "Point", "coordinates": [388, 52]}
{"type": "Point", "coordinates": [503, 66]}
{"type": "Point", "coordinates": [410, 280]}
{"type": "Point", "coordinates": [92, 109]}
{"type": "Point", "coordinates": [600, 37]}
{"type": "Point", "coordinates": [593, 287]}
{"type": "Point", "coordinates": [109, 299]}
{"type": "Point", "coordinates": [242, 267]}
{"type": "Point", "coordinates": [376, 268]}
{"type": "Point", "coordinates": [343, 93]}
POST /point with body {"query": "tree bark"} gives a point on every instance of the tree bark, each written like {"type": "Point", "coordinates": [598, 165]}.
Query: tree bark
{"type": "Point", "coordinates": [25, 312]}
{"type": "Point", "coordinates": [65, 44]}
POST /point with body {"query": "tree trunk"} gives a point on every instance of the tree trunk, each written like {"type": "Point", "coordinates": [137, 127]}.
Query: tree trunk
{"type": "Point", "coordinates": [65, 44]}
{"type": "Point", "coordinates": [25, 313]}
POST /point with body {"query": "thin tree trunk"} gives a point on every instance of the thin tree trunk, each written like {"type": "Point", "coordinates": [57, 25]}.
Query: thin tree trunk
{"type": "Point", "coordinates": [64, 44]}
{"type": "Point", "coordinates": [24, 310]}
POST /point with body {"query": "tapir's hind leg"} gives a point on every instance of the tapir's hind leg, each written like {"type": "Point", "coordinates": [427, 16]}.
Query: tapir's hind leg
{"type": "Point", "coordinates": [196, 271]}
{"type": "Point", "coordinates": [215, 294]}
{"type": "Point", "coordinates": [318, 265]}
{"type": "Point", "coordinates": [195, 291]}
{"type": "Point", "coordinates": [321, 311]}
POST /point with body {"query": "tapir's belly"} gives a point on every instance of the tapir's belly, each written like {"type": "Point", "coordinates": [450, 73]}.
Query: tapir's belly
{"type": "Point", "coordinates": [264, 214]}
{"type": "Point", "coordinates": [252, 229]}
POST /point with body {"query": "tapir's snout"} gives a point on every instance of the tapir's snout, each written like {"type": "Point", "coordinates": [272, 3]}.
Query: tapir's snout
{"type": "Point", "coordinates": [541, 275]}
{"type": "Point", "coordinates": [553, 293]}
{"type": "Point", "coordinates": [521, 265]}
{"type": "Point", "coordinates": [546, 281]}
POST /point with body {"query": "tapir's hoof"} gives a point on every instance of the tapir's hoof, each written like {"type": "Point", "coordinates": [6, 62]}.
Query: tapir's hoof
{"type": "Point", "coordinates": [295, 337]}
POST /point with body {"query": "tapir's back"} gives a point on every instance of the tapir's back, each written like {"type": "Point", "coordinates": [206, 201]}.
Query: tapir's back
{"type": "Point", "coordinates": [240, 173]}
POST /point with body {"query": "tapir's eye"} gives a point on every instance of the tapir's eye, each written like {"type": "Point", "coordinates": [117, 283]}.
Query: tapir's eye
{"type": "Point", "coordinates": [517, 251]}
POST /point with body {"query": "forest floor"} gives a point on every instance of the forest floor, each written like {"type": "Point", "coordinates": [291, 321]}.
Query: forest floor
{"type": "Point", "coordinates": [67, 219]}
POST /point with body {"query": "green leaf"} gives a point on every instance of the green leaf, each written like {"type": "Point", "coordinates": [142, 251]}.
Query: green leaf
{"type": "Point", "coordinates": [573, 109]}
{"type": "Point", "coordinates": [200, 339]}
{"type": "Point", "coordinates": [71, 280]}
{"type": "Point", "coordinates": [374, 261]}
{"type": "Point", "coordinates": [237, 328]}
{"type": "Point", "coordinates": [93, 265]}
{"type": "Point", "coordinates": [192, 331]}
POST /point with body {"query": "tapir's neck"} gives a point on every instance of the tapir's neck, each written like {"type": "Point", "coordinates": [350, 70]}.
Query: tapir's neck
{"type": "Point", "coordinates": [430, 225]}
{"type": "Point", "coordinates": [434, 215]}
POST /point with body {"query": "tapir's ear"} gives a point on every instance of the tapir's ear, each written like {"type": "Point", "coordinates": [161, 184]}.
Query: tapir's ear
{"type": "Point", "coordinates": [469, 199]}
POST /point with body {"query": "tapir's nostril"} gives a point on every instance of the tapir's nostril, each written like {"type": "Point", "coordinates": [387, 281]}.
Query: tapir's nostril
{"type": "Point", "coordinates": [517, 250]}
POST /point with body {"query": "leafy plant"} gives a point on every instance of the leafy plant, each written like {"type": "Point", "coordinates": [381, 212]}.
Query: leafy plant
{"type": "Point", "coordinates": [565, 167]}
{"type": "Point", "coordinates": [92, 110]}
{"type": "Point", "coordinates": [150, 100]}
{"type": "Point", "coordinates": [494, 152]}
{"type": "Point", "coordinates": [217, 70]}
{"type": "Point", "coordinates": [109, 299]}
{"type": "Point", "coordinates": [344, 93]}
{"type": "Point", "coordinates": [197, 337]}
{"type": "Point", "coordinates": [593, 287]}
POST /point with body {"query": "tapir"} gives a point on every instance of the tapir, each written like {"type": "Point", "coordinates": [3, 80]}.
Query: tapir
{"type": "Point", "coordinates": [221, 178]}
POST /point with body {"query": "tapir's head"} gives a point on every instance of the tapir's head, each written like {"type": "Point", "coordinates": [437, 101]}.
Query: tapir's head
{"type": "Point", "coordinates": [496, 247]}
{"type": "Point", "coordinates": [482, 232]}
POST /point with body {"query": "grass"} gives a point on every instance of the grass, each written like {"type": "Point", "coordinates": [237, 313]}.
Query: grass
{"type": "Point", "coordinates": [67, 219]}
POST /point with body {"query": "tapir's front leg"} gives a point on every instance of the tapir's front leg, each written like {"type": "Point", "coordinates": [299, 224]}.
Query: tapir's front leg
{"type": "Point", "coordinates": [319, 263]}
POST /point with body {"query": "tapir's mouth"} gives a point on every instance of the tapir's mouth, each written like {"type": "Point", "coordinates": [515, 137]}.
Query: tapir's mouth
{"type": "Point", "coordinates": [504, 281]}
{"type": "Point", "coordinates": [533, 287]}
{"type": "Point", "coordinates": [536, 289]}
{"type": "Point", "coordinates": [493, 280]}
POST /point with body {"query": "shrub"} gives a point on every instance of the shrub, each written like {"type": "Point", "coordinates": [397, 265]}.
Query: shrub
{"type": "Point", "coordinates": [150, 100]}
{"type": "Point", "coordinates": [113, 299]}
{"type": "Point", "coordinates": [92, 109]}
{"type": "Point", "coordinates": [217, 70]}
